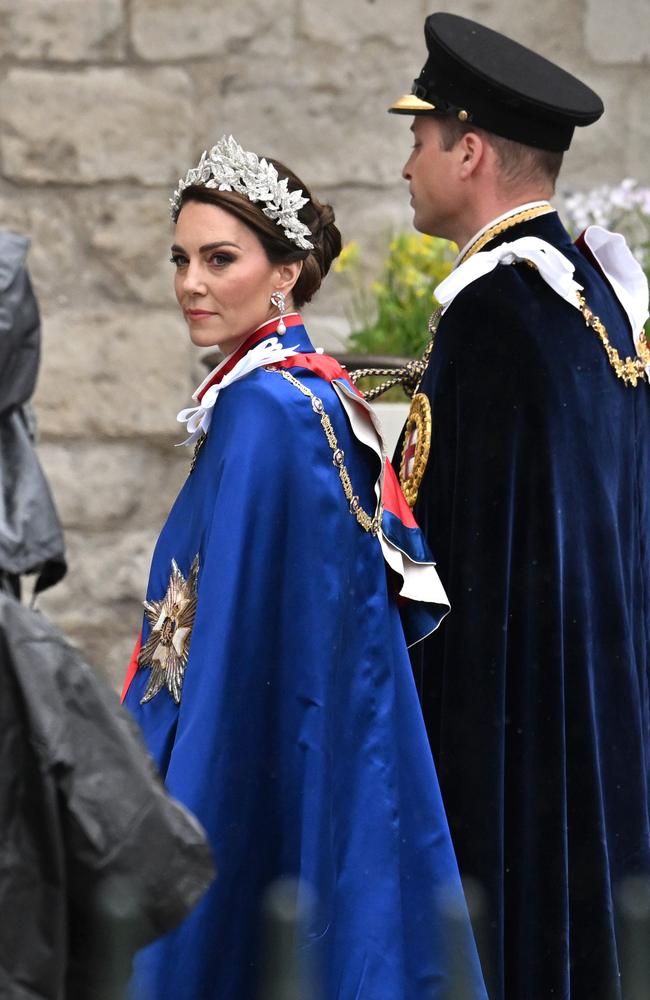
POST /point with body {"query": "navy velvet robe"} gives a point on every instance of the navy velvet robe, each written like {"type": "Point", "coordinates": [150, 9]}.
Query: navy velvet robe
{"type": "Point", "coordinates": [536, 504]}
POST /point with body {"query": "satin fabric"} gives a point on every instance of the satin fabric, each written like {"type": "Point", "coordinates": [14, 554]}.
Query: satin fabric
{"type": "Point", "coordinates": [535, 502]}
{"type": "Point", "coordinates": [298, 742]}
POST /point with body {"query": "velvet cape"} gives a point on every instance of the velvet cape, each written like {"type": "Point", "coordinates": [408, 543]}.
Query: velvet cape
{"type": "Point", "coordinates": [298, 741]}
{"type": "Point", "coordinates": [535, 502]}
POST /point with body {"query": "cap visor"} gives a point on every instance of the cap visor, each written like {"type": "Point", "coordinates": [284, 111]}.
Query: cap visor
{"type": "Point", "coordinates": [409, 104]}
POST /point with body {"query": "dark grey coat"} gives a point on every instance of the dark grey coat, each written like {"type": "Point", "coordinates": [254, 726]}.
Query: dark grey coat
{"type": "Point", "coordinates": [31, 540]}
{"type": "Point", "coordinates": [95, 858]}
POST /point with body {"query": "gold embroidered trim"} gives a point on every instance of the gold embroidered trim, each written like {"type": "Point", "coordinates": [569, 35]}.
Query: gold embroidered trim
{"type": "Point", "coordinates": [368, 523]}
{"type": "Point", "coordinates": [500, 227]}
{"type": "Point", "coordinates": [418, 424]}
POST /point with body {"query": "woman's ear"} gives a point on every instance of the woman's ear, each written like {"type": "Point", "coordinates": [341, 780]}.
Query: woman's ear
{"type": "Point", "coordinates": [286, 275]}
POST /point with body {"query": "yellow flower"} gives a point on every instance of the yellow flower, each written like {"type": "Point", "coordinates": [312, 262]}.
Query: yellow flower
{"type": "Point", "coordinates": [348, 257]}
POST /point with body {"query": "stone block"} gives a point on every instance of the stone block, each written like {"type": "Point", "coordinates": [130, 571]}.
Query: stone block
{"type": "Point", "coordinates": [105, 584]}
{"type": "Point", "coordinates": [553, 28]}
{"type": "Point", "coordinates": [165, 29]}
{"type": "Point", "coordinates": [103, 485]}
{"type": "Point", "coordinates": [332, 141]}
{"type": "Point", "coordinates": [618, 35]}
{"type": "Point", "coordinates": [597, 152]}
{"type": "Point", "coordinates": [95, 245]}
{"type": "Point", "coordinates": [94, 125]}
{"type": "Point", "coordinates": [129, 233]}
{"type": "Point", "coordinates": [398, 24]}
{"type": "Point", "coordinates": [637, 163]}
{"type": "Point", "coordinates": [114, 373]}
{"type": "Point", "coordinates": [57, 261]}
{"type": "Point", "coordinates": [65, 30]}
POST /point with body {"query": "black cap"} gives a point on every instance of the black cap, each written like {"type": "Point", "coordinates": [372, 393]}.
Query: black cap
{"type": "Point", "coordinates": [480, 76]}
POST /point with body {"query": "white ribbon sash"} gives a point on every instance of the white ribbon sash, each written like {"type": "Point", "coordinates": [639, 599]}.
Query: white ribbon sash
{"type": "Point", "coordinates": [197, 419]}
{"type": "Point", "coordinates": [552, 265]}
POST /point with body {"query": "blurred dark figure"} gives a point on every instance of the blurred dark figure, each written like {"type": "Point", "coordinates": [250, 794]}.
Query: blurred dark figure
{"type": "Point", "coordinates": [31, 540]}
{"type": "Point", "coordinates": [96, 859]}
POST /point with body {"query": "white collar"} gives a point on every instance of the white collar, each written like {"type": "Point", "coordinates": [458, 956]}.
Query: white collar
{"type": "Point", "coordinates": [494, 222]}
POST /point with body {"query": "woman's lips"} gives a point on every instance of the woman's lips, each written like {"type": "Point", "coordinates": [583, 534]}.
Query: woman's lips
{"type": "Point", "coordinates": [198, 314]}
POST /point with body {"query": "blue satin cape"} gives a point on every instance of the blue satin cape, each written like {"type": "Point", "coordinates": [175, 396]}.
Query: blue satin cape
{"type": "Point", "coordinates": [299, 742]}
{"type": "Point", "coordinates": [536, 501]}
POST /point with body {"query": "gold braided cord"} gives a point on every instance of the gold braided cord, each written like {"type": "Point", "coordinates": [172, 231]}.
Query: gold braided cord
{"type": "Point", "coordinates": [500, 227]}
{"type": "Point", "coordinates": [197, 448]}
{"type": "Point", "coordinates": [368, 523]}
{"type": "Point", "coordinates": [409, 377]}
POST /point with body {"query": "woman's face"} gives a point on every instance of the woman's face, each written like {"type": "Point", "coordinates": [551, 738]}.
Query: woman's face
{"type": "Point", "coordinates": [224, 280]}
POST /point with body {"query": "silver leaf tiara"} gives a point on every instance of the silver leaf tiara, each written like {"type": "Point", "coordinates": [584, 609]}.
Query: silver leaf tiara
{"type": "Point", "coordinates": [228, 167]}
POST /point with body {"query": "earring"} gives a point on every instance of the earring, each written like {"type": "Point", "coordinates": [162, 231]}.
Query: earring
{"type": "Point", "coordinates": [278, 299]}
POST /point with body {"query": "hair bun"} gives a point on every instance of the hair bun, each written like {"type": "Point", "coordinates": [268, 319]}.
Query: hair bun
{"type": "Point", "coordinates": [327, 236]}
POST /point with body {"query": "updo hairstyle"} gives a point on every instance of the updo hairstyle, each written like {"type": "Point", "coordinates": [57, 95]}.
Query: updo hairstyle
{"type": "Point", "coordinates": [318, 217]}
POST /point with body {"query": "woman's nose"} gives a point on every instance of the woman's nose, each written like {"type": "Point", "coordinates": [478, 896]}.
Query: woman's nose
{"type": "Point", "coordinates": [193, 282]}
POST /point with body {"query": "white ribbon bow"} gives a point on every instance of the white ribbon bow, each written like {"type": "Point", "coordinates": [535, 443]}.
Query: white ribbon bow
{"type": "Point", "coordinates": [198, 418]}
{"type": "Point", "coordinates": [552, 265]}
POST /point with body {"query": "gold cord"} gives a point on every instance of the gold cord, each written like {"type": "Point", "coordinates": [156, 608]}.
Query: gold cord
{"type": "Point", "coordinates": [368, 523]}
{"type": "Point", "coordinates": [500, 227]}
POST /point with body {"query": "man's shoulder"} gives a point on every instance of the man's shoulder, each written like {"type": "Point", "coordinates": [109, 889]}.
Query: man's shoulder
{"type": "Point", "coordinates": [511, 293]}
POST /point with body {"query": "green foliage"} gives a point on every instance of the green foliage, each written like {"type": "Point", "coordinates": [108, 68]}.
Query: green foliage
{"type": "Point", "coordinates": [390, 315]}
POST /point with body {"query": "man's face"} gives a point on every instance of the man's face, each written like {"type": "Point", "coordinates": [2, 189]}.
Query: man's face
{"type": "Point", "coordinates": [432, 175]}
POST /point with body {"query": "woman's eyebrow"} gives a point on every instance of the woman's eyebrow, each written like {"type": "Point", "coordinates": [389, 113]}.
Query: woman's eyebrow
{"type": "Point", "coordinates": [208, 246]}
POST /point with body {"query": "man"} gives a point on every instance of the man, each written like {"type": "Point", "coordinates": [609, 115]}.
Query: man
{"type": "Point", "coordinates": [527, 461]}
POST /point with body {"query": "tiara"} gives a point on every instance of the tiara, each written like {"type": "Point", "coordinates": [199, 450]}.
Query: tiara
{"type": "Point", "coordinates": [228, 167]}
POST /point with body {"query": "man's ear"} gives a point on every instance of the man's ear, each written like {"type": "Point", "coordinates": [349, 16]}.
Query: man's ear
{"type": "Point", "coordinates": [471, 147]}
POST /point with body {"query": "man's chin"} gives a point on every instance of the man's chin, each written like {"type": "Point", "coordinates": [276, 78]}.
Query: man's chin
{"type": "Point", "coordinates": [422, 225]}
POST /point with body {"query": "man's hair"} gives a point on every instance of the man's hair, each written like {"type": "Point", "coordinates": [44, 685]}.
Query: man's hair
{"type": "Point", "coordinates": [518, 164]}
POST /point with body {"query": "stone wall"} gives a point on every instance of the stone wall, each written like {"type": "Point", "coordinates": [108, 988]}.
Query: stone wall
{"type": "Point", "coordinates": [103, 103]}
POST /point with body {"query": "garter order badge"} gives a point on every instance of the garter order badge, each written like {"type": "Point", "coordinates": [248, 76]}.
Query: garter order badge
{"type": "Point", "coordinates": [167, 649]}
{"type": "Point", "coordinates": [416, 446]}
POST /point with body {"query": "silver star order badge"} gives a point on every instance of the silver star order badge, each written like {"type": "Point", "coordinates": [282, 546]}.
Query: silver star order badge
{"type": "Point", "coordinates": [166, 651]}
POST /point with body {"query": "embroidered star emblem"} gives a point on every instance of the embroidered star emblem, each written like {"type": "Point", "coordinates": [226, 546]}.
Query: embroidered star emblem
{"type": "Point", "coordinates": [166, 651]}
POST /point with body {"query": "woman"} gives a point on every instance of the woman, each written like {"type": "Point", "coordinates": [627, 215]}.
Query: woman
{"type": "Point", "coordinates": [273, 683]}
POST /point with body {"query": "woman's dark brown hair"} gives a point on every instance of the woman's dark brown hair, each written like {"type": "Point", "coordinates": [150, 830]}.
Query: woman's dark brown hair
{"type": "Point", "coordinates": [317, 216]}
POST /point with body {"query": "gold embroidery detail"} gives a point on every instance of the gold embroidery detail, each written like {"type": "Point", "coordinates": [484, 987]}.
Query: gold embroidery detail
{"type": "Point", "coordinates": [631, 370]}
{"type": "Point", "coordinates": [500, 227]}
{"type": "Point", "coordinates": [368, 523]}
{"type": "Point", "coordinates": [418, 431]}
{"type": "Point", "coordinates": [167, 649]}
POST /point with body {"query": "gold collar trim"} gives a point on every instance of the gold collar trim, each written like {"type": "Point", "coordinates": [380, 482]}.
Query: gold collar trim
{"type": "Point", "coordinates": [525, 215]}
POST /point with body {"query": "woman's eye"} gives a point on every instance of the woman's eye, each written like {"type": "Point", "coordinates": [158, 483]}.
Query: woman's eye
{"type": "Point", "coordinates": [221, 259]}
{"type": "Point", "coordinates": [178, 259]}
